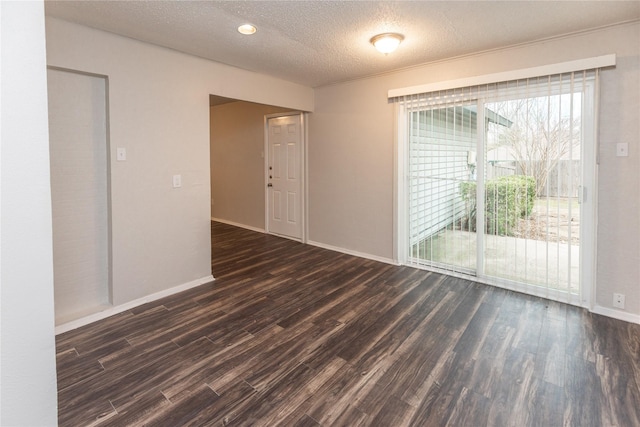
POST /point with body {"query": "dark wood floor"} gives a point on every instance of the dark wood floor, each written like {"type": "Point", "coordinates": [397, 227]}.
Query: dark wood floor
{"type": "Point", "coordinates": [296, 335]}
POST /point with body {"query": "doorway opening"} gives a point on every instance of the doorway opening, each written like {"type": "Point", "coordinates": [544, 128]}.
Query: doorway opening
{"type": "Point", "coordinates": [496, 187]}
{"type": "Point", "coordinates": [239, 163]}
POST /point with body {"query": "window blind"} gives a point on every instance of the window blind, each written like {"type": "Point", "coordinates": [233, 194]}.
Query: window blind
{"type": "Point", "coordinates": [494, 178]}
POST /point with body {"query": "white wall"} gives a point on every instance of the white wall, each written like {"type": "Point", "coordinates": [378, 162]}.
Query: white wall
{"type": "Point", "coordinates": [351, 136]}
{"type": "Point", "coordinates": [27, 355]}
{"type": "Point", "coordinates": [159, 111]}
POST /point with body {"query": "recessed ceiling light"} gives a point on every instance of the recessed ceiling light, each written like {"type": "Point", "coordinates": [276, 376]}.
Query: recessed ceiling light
{"type": "Point", "coordinates": [247, 29]}
{"type": "Point", "coordinates": [387, 42]}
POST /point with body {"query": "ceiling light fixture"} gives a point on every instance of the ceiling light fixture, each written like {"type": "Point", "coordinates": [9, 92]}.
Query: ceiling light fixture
{"type": "Point", "coordinates": [247, 29]}
{"type": "Point", "coordinates": [387, 42]}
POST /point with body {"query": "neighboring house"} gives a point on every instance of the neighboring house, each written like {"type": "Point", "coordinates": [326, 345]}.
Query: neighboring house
{"type": "Point", "coordinates": [440, 163]}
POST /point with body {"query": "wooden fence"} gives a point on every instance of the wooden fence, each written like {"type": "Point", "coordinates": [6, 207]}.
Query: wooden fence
{"type": "Point", "coordinates": [563, 181]}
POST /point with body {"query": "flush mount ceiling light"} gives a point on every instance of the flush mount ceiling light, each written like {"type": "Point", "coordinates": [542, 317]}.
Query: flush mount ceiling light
{"type": "Point", "coordinates": [387, 42]}
{"type": "Point", "coordinates": [247, 29]}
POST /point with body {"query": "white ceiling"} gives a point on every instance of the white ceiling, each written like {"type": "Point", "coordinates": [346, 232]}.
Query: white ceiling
{"type": "Point", "coordinates": [318, 42]}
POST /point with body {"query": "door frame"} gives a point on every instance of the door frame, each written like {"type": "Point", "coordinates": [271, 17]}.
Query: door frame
{"type": "Point", "coordinates": [304, 204]}
{"type": "Point", "coordinates": [588, 196]}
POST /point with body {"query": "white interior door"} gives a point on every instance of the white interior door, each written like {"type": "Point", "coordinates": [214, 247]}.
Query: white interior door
{"type": "Point", "coordinates": [284, 176]}
{"type": "Point", "coordinates": [79, 193]}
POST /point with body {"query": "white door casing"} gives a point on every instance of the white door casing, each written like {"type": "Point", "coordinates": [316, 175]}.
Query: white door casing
{"type": "Point", "coordinates": [284, 176]}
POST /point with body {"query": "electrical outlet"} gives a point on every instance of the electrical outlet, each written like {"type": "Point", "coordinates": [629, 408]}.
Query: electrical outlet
{"type": "Point", "coordinates": [618, 300]}
{"type": "Point", "coordinates": [622, 149]}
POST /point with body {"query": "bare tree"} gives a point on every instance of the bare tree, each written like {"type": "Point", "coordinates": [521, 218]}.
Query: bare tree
{"type": "Point", "coordinates": [541, 134]}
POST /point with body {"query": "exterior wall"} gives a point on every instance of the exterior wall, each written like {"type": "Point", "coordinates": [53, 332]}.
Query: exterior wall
{"type": "Point", "coordinates": [237, 162]}
{"type": "Point", "coordinates": [351, 153]}
{"type": "Point", "coordinates": [440, 142]}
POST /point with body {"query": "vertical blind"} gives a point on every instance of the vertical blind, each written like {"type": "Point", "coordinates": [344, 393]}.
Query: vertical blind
{"type": "Point", "coordinates": [494, 181]}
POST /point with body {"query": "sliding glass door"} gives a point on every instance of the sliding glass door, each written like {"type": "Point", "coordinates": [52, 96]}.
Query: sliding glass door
{"type": "Point", "coordinates": [533, 177]}
{"type": "Point", "coordinates": [496, 185]}
{"type": "Point", "coordinates": [442, 155]}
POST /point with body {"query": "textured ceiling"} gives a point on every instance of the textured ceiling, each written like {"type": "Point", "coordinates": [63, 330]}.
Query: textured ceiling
{"type": "Point", "coordinates": [321, 42]}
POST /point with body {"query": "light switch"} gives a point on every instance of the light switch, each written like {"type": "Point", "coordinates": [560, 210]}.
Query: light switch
{"type": "Point", "coordinates": [121, 154]}
{"type": "Point", "coordinates": [622, 149]}
{"type": "Point", "coordinates": [177, 181]}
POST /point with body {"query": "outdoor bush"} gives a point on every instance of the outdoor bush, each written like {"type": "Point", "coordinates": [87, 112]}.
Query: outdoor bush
{"type": "Point", "coordinates": [468, 192]}
{"type": "Point", "coordinates": [507, 198]}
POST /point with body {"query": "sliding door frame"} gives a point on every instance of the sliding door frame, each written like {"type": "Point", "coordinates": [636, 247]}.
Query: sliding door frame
{"type": "Point", "coordinates": [588, 197]}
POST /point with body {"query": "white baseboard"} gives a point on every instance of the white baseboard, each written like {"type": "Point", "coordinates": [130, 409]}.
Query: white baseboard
{"type": "Point", "coordinates": [235, 224]}
{"type": "Point", "coordinates": [616, 314]}
{"type": "Point", "coordinates": [74, 324]}
{"type": "Point", "coordinates": [354, 253]}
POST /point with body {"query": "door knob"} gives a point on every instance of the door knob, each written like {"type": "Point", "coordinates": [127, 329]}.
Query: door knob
{"type": "Point", "coordinates": [269, 185]}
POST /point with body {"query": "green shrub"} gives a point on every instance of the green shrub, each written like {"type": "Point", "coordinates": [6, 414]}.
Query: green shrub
{"type": "Point", "coordinates": [468, 192]}
{"type": "Point", "coordinates": [507, 198]}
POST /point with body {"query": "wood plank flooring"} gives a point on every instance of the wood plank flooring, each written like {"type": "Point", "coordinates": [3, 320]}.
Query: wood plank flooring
{"type": "Point", "coordinates": [295, 335]}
